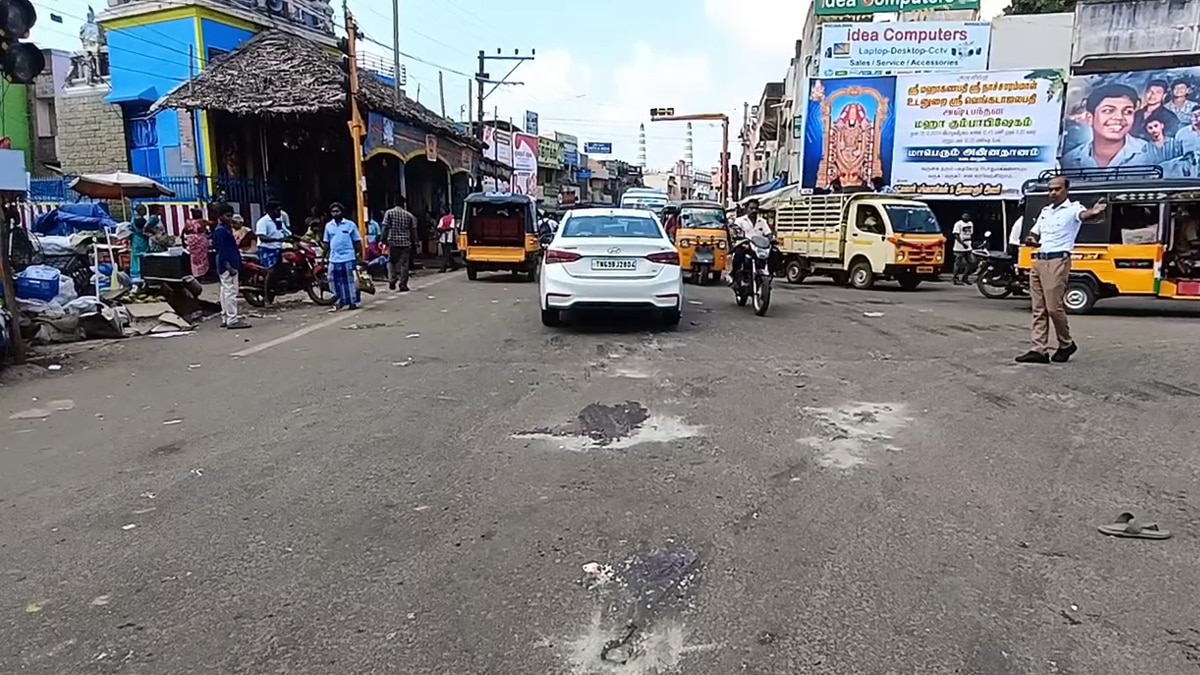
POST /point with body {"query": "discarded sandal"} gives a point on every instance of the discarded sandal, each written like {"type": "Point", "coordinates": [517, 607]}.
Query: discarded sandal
{"type": "Point", "coordinates": [1127, 525]}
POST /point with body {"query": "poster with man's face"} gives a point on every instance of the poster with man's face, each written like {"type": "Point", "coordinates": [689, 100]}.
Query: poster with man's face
{"type": "Point", "coordinates": [1144, 118]}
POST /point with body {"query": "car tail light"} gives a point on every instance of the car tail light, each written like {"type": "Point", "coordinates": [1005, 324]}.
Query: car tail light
{"type": "Point", "coordinates": [556, 256]}
{"type": "Point", "coordinates": [664, 258]}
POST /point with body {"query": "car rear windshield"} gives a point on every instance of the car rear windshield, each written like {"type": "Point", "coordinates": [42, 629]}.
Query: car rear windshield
{"type": "Point", "coordinates": [611, 226]}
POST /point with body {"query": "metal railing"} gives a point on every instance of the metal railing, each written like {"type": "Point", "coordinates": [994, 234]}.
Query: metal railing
{"type": "Point", "coordinates": [186, 188]}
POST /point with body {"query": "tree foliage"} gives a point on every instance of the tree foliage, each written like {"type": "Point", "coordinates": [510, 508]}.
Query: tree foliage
{"type": "Point", "coordinates": [1039, 7]}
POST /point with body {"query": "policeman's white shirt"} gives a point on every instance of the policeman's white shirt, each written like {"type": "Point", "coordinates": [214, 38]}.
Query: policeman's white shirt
{"type": "Point", "coordinates": [964, 230]}
{"type": "Point", "coordinates": [1014, 235]}
{"type": "Point", "coordinates": [1058, 226]}
{"type": "Point", "coordinates": [749, 229]}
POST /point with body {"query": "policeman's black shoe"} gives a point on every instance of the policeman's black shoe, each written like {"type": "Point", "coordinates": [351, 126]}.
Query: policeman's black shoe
{"type": "Point", "coordinates": [1064, 354]}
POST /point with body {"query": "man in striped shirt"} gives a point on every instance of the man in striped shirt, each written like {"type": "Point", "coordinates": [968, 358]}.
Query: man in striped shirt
{"type": "Point", "coordinates": [399, 233]}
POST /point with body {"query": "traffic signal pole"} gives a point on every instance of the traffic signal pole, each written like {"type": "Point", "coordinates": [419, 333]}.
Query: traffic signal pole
{"type": "Point", "coordinates": [358, 130]}
{"type": "Point", "coordinates": [668, 115]}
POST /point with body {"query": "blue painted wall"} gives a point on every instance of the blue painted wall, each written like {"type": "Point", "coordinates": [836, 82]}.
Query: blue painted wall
{"type": "Point", "coordinates": [220, 36]}
{"type": "Point", "coordinates": [156, 55]}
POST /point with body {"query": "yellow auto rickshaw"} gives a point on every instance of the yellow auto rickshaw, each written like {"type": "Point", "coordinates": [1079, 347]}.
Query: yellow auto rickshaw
{"type": "Point", "coordinates": [703, 240]}
{"type": "Point", "coordinates": [499, 234]}
{"type": "Point", "coordinates": [1144, 244]}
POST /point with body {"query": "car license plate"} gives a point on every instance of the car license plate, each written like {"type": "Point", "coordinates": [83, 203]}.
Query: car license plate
{"type": "Point", "coordinates": [925, 270]}
{"type": "Point", "coordinates": [613, 264]}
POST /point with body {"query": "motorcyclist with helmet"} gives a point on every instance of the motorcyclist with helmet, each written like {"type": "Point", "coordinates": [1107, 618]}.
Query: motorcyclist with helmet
{"type": "Point", "coordinates": [747, 225]}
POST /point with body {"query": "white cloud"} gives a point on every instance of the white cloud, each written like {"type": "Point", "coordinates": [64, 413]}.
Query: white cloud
{"type": "Point", "coordinates": [766, 27]}
{"type": "Point", "coordinates": [571, 98]}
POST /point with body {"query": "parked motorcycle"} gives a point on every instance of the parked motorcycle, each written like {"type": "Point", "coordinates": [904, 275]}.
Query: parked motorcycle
{"type": "Point", "coordinates": [997, 276]}
{"type": "Point", "coordinates": [753, 281]}
{"type": "Point", "coordinates": [300, 269]}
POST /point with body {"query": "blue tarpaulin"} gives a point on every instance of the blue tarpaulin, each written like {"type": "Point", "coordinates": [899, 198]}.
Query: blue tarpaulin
{"type": "Point", "coordinates": [71, 218]}
{"type": "Point", "coordinates": [764, 188]}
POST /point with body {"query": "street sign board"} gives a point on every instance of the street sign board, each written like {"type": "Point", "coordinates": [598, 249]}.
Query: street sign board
{"type": "Point", "coordinates": [598, 148]}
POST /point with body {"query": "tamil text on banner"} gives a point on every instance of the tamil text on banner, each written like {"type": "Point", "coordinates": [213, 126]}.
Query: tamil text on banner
{"type": "Point", "coordinates": [525, 164]}
{"type": "Point", "coordinates": [852, 7]}
{"type": "Point", "coordinates": [598, 148]}
{"type": "Point", "coordinates": [934, 135]}
{"type": "Point", "coordinates": [1142, 118]}
{"type": "Point", "coordinates": [848, 132]}
{"type": "Point", "coordinates": [975, 134]}
{"type": "Point", "coordinates": [489, 139]}
{"type": "Point", "coordinates": [904, 47]}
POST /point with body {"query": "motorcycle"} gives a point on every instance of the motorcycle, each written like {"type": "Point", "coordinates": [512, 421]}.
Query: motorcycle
{"type": "Point", "coordinates": [753, 281]}
{"type": "Point", "coordinates": [300, 269]}
{"type": "Point", "coordinates": [997, 276]}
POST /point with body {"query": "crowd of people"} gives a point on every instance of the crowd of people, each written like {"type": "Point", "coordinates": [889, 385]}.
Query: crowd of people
{"type": "Point", "coordinates": [219, 241]}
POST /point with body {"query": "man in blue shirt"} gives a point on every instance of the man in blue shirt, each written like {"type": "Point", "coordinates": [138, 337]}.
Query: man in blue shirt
{"type": "Point", "coordinates": [343, 243]}
{"type": "Point", "coordinates": [229, 265]}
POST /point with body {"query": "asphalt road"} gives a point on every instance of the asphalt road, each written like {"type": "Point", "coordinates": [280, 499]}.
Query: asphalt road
{"type": "Point", "coordinates": [860, 482]}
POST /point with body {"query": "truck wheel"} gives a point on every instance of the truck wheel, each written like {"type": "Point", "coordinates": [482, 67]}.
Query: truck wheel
{"type": "Point", "coordinates": [909, 282]}
{"type": "Point", "coordinates": [1080, 297]}
{"type": "Point", "coordinates": [861, 276]}
{"type": "Point", "coordinates": [795, 272]}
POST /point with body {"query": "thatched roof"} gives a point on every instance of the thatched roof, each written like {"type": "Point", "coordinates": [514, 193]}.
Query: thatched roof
{"type": "Point", "coordinates": [274, 73]}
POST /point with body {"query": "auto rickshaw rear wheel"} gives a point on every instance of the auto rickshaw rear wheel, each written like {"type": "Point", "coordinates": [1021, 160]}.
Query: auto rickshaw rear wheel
{"type": "Point", "coordinates": [472, 273]}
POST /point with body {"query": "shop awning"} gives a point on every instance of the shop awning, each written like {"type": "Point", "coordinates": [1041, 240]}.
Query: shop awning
{"type": "Point", "coordinates": [132, 94]}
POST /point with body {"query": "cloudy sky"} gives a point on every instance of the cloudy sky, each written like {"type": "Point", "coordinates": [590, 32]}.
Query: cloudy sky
{"type": "Point", "coordinates": [599, 67]}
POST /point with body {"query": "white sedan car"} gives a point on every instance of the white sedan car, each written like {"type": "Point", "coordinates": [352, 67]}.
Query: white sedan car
{"type": "Point", "coordinates": [610, 259]}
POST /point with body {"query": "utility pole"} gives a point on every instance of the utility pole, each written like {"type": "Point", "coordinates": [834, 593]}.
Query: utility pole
{"type": "Point", "coordinates": [442, 92]}
{"type": "Point", "coordinates": [482, 77]}
{"type": "Point", "coordinates": [357, 129]}
{"type": "Point", "coordinates": [396, 48]}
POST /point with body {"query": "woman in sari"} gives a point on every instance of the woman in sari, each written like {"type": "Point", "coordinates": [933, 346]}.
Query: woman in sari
{"type": "Point", "coordinates": [196, 238]}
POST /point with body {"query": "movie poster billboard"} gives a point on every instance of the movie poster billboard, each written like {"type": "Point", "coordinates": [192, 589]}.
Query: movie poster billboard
{"type": "Point", "coordinates": [936, 135]}
{"type": "Point", "coordinates": [1142, 118]}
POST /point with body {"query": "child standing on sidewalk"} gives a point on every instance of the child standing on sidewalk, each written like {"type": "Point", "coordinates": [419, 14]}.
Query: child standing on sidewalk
{"type": "Point", "coordinates": [229, 264]}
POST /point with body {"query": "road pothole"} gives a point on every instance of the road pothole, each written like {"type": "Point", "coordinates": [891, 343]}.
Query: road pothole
{"type": "Point", "coordinates": [637, 626]}
{"type": "Point", "coordinates": [848, 436]}
{"type": "Point", "coordinates": [618, 426]}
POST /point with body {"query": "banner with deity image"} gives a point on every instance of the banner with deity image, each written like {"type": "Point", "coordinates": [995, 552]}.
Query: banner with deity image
{"type": "Point", "coordinates": [935, 135]}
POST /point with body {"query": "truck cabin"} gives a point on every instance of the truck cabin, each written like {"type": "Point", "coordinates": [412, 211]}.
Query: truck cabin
{"type": "Point", "coordinates": [1144, 209]}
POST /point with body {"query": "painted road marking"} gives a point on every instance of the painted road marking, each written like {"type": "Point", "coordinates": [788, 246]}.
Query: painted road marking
{"type": "Point", "coordinates": [338, 318]}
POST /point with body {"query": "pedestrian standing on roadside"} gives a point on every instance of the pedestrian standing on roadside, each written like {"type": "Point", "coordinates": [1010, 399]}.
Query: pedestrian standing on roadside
{"type": "Point", "coordinates": [963, 233]}
{"type": "Point", "coordinates": [229, 265]}
{"type": "Point", "coordinates": [343, 244]}
{"type": "Point", "coordinates": [1054, 234]}
{"type": "Point", "coordinates": [446, 235]}
{"type": "Point", "coordinates": [399, 232]}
